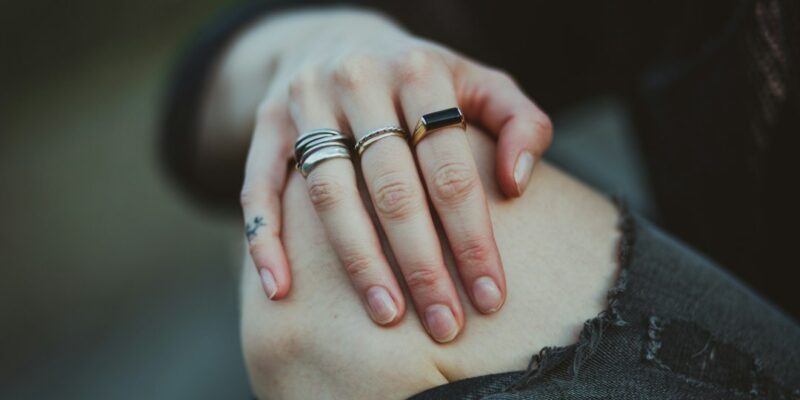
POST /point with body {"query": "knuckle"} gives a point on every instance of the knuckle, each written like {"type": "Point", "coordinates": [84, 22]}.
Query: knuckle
{"type": "Point", "coordinates": [247, 197]}
{"type": "Point", "coordinates": [355, 70]}
{"type": "Point", "coordinates": [502, 77]}
{"type": "Point", "coordinates": [302, 84]}
{"type": "Point", "coordinates": [395, 197]}
{"type": "Point", "coordinates": [325, 193]}
{"type": "Point", "coordinates": [453, 181]}
{"type": "Point", "coordinates": [297, 90]}
{"type": "Point", "coordinates": [417, 64]}
{"type": "Point", "coordinates": [270, 111]}
{"type": "Point", "coordinates": [473, 252]}
{"type": "Point", "coordinates": [423, 279]}
{"type": "Point", "coordinates": [257, 249]}
{"type": "Point", "coordinates": [358, 266]}
{"type": "Point", "coordinates": [543, 124]}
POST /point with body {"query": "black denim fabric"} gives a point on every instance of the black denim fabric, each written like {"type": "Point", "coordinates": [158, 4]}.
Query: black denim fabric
{"type": "Point", "coordinates": [676, 327]}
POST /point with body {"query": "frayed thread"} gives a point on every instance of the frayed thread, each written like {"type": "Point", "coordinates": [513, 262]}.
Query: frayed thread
{"type": "Point", "coordinates": [653, 343]}
{"type": "Point", "coordinates": [545, 360]}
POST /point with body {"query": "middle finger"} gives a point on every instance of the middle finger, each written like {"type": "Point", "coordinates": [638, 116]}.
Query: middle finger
{"type": "Point", "coordinates": [399, 201]}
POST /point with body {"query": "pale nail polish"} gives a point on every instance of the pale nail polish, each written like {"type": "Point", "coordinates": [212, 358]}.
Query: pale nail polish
{"type": "Point", "coordinates": [269, 282]}
{"type": "Point", "coordinates": [487, 295]}
{"type": "Point", "coordinates": [522, 170]}
{"type": "Point", "coordinates": [381, 305]}
{"type": "Point", "coordinates": [441, 323]}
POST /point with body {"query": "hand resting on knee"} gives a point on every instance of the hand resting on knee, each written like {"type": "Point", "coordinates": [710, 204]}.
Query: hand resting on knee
{"type": "Point", "coordinates": [558, 245]}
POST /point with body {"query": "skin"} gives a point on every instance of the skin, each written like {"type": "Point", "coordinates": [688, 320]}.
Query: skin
{"type": "Point", "coordinates": [356, 72]}
{"type": "Point", "coordinates": [558, 243]}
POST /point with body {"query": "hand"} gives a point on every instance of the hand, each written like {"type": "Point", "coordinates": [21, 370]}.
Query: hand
{"type": "Point", "coordinates": [359, 74]}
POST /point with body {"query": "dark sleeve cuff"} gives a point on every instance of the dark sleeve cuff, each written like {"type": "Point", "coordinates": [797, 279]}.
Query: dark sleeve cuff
{"type": "Point", "coordinates": [186, 85]}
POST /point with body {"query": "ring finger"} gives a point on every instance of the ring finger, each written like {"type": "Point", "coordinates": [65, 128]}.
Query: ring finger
{"type": "Point", "coordinates": [334, 193]}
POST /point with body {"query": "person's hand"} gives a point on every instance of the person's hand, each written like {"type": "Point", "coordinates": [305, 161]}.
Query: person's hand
{"type": "Point", "coordinates": [358, 74]}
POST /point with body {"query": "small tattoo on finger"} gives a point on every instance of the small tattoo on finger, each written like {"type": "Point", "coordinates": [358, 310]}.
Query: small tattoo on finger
{"type": "Point", "coordinates": [251, 229]}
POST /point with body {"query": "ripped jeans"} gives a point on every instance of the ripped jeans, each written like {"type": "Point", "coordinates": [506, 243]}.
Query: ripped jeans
{"type": "Point", "coordinates": [676, 327]}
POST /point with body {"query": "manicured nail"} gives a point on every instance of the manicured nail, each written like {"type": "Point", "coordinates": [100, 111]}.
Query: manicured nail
{"type": "Point", "coordinates": [487, 295]}
{"type": "Point", "coordinates": [269, 282]}
{"type": "Point", "coordinates": [381, 305]}
{"type": "Point", "coordinates": [523, 169]}
{"type": "Point", "coordinates": [441, 323]}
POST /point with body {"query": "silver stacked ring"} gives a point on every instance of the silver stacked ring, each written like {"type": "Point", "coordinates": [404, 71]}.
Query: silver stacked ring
{"type": "Point", "coordinates": [377, 135]}
{"type": "Point", "coordinates": [314, 147]}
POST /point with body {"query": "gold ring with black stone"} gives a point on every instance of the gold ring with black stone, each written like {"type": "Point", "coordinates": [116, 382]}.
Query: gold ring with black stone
{"type": "Point", "coordinates": [448, 118]}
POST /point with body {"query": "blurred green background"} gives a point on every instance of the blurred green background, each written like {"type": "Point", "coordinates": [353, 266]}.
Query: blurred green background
{"type": "Point", "coordinates": [112, 284]}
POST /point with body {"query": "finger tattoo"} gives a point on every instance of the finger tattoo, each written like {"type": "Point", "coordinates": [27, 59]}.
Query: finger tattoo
{"type": "Point", "coordinates": [251, 229]}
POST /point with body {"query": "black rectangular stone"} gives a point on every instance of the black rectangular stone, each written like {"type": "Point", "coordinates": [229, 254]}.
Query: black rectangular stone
{"type": "Point", "coordinates": [443, 119]}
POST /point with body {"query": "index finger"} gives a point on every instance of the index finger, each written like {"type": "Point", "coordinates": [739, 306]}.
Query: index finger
{"type": "Point", "coordinates": [523, 131]}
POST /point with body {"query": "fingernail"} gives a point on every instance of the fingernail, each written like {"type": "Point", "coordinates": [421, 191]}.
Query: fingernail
{"type": "Point", "coordinates": [441, 323]}
{"type": "Point", "coordinates": [381, 305]}
{"type": "Point", "coordinates": [269, 282]}
{"type": "Point", "coordinates": [487, 295]}
{"type": "Point", "coordinates": [523, 169]}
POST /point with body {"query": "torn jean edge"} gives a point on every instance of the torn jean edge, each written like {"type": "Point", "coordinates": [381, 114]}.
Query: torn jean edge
{"type": "Point", "coordinates": [592, 333]}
